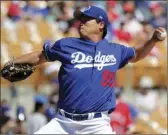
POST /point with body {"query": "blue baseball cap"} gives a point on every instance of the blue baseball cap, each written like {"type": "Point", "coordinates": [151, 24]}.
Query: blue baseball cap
{"type": "Point", "coordinates": [94, 12]}
{"type": "Point", "coordinates": [40, 99]}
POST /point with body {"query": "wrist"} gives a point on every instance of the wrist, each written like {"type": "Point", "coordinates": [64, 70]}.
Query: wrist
{"type": "Point", "coordinates": [154, 40]}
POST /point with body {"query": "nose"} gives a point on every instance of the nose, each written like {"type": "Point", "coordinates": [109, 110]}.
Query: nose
{"type": "Point", "coordinates": [81, 24]}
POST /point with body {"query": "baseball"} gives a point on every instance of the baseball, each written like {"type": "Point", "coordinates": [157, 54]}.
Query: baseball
{"type": "Point", "coordinates": [161, 35]}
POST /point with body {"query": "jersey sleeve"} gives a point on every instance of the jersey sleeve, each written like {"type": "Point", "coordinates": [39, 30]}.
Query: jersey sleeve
{"type": "Point", "coordinates": [54, 51]}
{"type": "Point", "coordinates": [127, 53]}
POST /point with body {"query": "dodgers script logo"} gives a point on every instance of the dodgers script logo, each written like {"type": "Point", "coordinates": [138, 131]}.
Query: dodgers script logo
{"type": "Point", "coordinates": [82, 61]}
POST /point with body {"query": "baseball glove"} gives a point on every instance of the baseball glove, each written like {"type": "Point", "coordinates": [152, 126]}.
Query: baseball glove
{"type": "Point", "coordinates": [16, 72]}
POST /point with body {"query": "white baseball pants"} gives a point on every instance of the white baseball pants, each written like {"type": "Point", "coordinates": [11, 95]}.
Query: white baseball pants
{"type": "Point", "coordinates": [63, 125]}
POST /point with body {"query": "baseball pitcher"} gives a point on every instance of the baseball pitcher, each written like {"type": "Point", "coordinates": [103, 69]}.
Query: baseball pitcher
{"type": "Point", "coordinates": [87, 77]}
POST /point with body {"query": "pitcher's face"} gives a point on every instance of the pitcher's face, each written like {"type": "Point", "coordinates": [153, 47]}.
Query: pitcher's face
{"type": "Point", "coordinates": [88, 26]}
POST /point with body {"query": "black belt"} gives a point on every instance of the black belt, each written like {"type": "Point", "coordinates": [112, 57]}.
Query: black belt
{"type": "Point", "coordinates": [79, 117]}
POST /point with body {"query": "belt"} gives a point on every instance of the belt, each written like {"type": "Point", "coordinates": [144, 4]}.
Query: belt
{"type": "Point", "coordinates": [80, 117]}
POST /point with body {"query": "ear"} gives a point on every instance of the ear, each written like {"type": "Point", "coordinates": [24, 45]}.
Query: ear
{"type": "Point", "coordinates": [101, 24]}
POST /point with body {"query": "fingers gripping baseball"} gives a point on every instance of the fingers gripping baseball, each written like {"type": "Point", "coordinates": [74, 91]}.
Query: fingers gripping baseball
{"type": "Point", "coordinates": [159, 34]}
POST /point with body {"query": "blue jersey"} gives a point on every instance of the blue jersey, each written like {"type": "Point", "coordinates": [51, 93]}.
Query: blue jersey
{"type": "Point", "coordinates": [88, 73]}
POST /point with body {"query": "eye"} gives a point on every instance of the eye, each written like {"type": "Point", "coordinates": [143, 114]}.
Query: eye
{"type": "Point", "coordinates": [86, 18]}
{"type": "Point", "coordinates": [83, 20]}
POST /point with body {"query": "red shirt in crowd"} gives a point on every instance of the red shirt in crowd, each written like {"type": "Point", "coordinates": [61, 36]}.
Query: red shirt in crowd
{"type": "Point", "coordinates": [14, 9]}
{"type": "Point", "coordinates": [121, 118]}
{"type": "Point", "coordinates": [123, 35]}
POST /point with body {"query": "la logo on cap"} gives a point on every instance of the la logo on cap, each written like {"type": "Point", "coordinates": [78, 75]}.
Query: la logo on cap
{"type": "Point", "coordinates": [85, 9]}
{"type": "Point", "coordinates": [100, 17]}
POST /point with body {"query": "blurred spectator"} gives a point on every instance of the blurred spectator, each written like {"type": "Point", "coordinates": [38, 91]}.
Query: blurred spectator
{"type": "Point", "coordinates": [132, 25]}
{"type": "Point", "coordinates": [100, 4]}
{"type": "Point", "coordinates": [14, 11]}
{"type": "Point", "coordinates": [121, 117]}
{"type": "Point", "coordinates": [123, 35]}
{"type": "Point", "coordinates": [133, 111]}
{"type": "Point", "coordinates": [66, 11]}
{"type": "Point", "coordinates": [6, 22]}
{"type": "Point", "coordinates": [35, 9]}
{"type": "Point", "coordinates": [20, 127]}
{"type": "Point", "coordinates": [53, 12]}
{"type": "Point", "coordinates": [7, 125]}
{"type": "Point", "coordinates": [83, 4]}
{"type": "Point", "coordinates": [158, 15]}
{"type": "Point", "coordinates": [72, 30]}
{"type": "Point", "coordinates": [61, 12]}
{"type": "Point", "coordinates": [114, 11]}
{"type": "Point", "coordinates": [51, 108]}
{"type": "Point", "coordinates": [129, 6]}
{"type": "Point", "coordinates": [5, 108]}
{"type": "Point", "coordinates": [146, 99]}
{"type": "Point", "coordinates": [142, 11]}
{"type": "Point", "coordinates": [20, 113]}
{"type": "Point", "coordinates": [37, 119]}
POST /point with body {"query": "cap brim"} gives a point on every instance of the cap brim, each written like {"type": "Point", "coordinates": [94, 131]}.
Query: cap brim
{"type": "Point", "coordinates": [77, 14]}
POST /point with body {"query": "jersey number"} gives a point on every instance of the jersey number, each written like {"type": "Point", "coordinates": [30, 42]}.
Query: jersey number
{"type": "Point", "coordinates": [108, 79]}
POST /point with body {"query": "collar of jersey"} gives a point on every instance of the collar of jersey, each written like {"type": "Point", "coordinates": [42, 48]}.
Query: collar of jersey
{"type": "Point", "coordinates": [93, 43]}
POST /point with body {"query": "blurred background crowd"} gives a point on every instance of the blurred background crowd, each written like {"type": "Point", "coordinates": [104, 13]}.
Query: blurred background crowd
{"type": "Point", "coordinates": [142, 87]}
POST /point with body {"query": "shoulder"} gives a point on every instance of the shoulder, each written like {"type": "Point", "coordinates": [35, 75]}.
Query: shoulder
{"type": "Point", "coordinates": [116, 46]}
{"type": "Point", "coordinates": [66, 41]}
{"type": "Point", "coordinates": [120, 45]}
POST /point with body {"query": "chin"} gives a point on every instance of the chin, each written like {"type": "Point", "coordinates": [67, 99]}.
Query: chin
{"type": "Point", "coordinates": [82, 34]}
